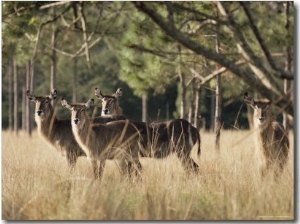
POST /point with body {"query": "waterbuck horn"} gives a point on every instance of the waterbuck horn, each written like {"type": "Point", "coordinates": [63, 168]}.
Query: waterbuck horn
{"type": "Point", "coordinates": [98, 93]}
{"type": "Point", "coordinates": [65, 104]}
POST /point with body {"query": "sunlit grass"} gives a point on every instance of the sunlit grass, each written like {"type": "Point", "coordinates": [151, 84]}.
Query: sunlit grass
{"type": "Point", "coordinates": [36, 185]}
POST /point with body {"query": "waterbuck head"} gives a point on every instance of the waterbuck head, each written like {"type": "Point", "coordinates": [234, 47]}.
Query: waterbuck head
{"type": "Point", "coordinates": [110, 103]}
{"type": "Point", "coordinates": [262, 116]}
{"type": "Point", "coordinates": [78, 115]}
{"type": "Point", "coordinates": [43, 107]}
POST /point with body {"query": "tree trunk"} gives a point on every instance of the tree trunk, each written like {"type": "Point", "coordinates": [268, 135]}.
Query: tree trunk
{"type": "Point", "coordinates": [53, 56]}
{"type": "Point", "coordinates": [212, 110]}
{"type": "Point", "coordinates": [218, 100]}
{"type": "Point", "coordinates": [218, 113]}
{"type": "Point", "coordinates": [144, 107]}
{"type": "Point", "coordinates": [10, 95]}
{"type": "Point", "coordinates": [31, 88]}
{"type": "Point", "coordinates": [192, 104]}
{"type": "Point", "coordinates": [288, 67]}
{"type": "Point", "coordinates": [28, 104]}
{"type": "Point", "coordinates": [182, 95]}
{"type": "Point", "coordinates": [182, 85]}
{"type": "Point", "coordinates": [75, 96]}
{"type": "Point", "coordinates": [24, 103]}
{"type": "Point", "coordinates": [16, 123]}
{"type": "Point", "coordinates": [197, 105]}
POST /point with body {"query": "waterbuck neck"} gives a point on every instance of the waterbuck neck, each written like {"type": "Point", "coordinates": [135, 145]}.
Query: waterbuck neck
{"type": "Point", "coordinates": [83, 131]}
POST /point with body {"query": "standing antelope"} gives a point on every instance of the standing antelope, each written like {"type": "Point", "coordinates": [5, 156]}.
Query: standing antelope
{"type": "Point", "coordinates": [54, 131]}
{"type": "Point", "coordinates": [110, 102]}
{"type": "Point", "coordinates": [163, 138]}
{"type": "Point", "coordinates": [114, 140]}
{"type": "Point", "coordinates": [272, 141]}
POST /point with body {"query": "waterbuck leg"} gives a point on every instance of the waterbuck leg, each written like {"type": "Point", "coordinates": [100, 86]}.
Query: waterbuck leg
{"type": "Point", "coordinates": [101, 168]}
{"type": "Point", "coordinates": [71, 159]}
{"type": "Point", "coordinates": [188, 163]}
{"type": "Point", "coordinates": [95, 168]}
{"type": "Point", "coordinates": [125, 166]}
{"type": "Point", "coordinates": [136, 168]}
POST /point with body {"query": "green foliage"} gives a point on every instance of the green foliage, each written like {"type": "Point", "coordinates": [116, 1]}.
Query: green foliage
{"type": "Point", "coordinates": [134, 53]}
{"type": "Point", "coordinates": [142, 70]}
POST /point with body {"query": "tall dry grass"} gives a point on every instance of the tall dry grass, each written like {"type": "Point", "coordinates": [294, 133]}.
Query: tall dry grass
{"type": "Point", "coordinates": [36, 185]}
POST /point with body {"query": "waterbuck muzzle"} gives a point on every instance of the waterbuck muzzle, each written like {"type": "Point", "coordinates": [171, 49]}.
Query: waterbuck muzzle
{"type": "Point", "coordinates": [40, 113]}
{"type": "Point", "coordinates": [76, 120]}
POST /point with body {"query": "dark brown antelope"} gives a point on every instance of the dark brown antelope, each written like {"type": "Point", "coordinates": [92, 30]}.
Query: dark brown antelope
{"type": "Point", "coordinates": [160, 139]}
{"type": "Point", "coordinates": [114, 140]}
{"type": "Point", "coordinates": [54, 131]}
{"type": "Point", "coordinates": [272, 141]}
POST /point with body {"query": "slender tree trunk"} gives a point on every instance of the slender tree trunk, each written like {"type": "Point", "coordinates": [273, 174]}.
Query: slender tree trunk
{"type": "Point", "coordinates": [144, 107]}
{"type": "Point", "coordinates": [182, 95]}
{"type": "Point", "coordinates": [24, 102]}
{"type": "Point", "coordinates": [75, 96]}
{"type": "Point", "coordinates": [192, 104]}
{"type": "Point", "coordinates": [182, 85]}
{"type": "Point", "coordinates": [10, 95]}
{"type": "Point", "coordinates": [16, 123]}
{"type": "Point", "coordinates": [28, 108]}
{"type": "Point", "coordinates": [218, 113]}
{"type": "Point", "coordinates": [53, 55]}
{"type": "Point", "coordinates": [288, 66]}
{"type": "Point", "coordinates": [212, 110]}
{"type": "Point", "coordinates": [31, 88]}
{"type": "Point", "coordinates": [218, 101]}
{"type": "Point", "coordinates": [197, 105]}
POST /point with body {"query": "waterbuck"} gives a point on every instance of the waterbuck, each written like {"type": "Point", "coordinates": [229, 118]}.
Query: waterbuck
{"type": "Point", "coordinates": [110, 102]}
{"type": "Point", "coordinates": [272, 141]}
{"type": "Point", "coordinates": [160, 139]}
{"type": "Point", "coordinates": [54, 131]}
{"type": "Point", "coordinates": [114, 140]}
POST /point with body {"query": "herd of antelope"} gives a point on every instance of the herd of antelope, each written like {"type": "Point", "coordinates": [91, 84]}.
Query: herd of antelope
{"type": "Point", "coordinates": [113, 136]}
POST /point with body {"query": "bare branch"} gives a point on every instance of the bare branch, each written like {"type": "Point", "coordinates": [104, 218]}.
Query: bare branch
{"type": "Point", "coordinates": [248, 77]}
{"type": "Point", "coordinates": [254, 62]}
{"type": "Point", "coordinates": [281, 73]}
{"type": "Point", "coordinates": [72, 56]}
{"type": "Point", "coordinates": [203, 79]}
{"type": "Point", "coordinates": [85, 45]}
{"type": "Point", "coordinates": [57, 17]}
{"type": "Point", "coordinates": [36, 43]}
{"type": "Point", "coordinates": [170, 14]}
{"type": "Point", "coordinates": [141, 48]}
{"type": "Point", "coordinates": [53, 4]}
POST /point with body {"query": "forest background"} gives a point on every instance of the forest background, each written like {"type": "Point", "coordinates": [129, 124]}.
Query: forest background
{"type": "Point", "coordinates": [191, 60]}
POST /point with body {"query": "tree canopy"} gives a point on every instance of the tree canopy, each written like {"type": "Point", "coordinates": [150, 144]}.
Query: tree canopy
{"type": "Point", "coordinates": [148, 48]}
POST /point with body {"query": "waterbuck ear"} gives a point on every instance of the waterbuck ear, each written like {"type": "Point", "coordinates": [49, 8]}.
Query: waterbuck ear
{"type": "Point", "coordinates": [65, 104]}
{"type": "Point", "coordinates": [30, 95]}
{"type": "Point", "coordinates": [53, 94]}
{"type": "Point", "coordinates": [98, 93]}
{"type": "Point", "coordinates": [248, 99]}
{"type": "Point", "coordinates": [89, 104]}
{"type": "Point", "coordinates": [119, 93]}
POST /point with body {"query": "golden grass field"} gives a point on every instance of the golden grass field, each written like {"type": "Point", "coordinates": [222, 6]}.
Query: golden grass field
{"type": "Point", "coordinates": [36, 185]}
